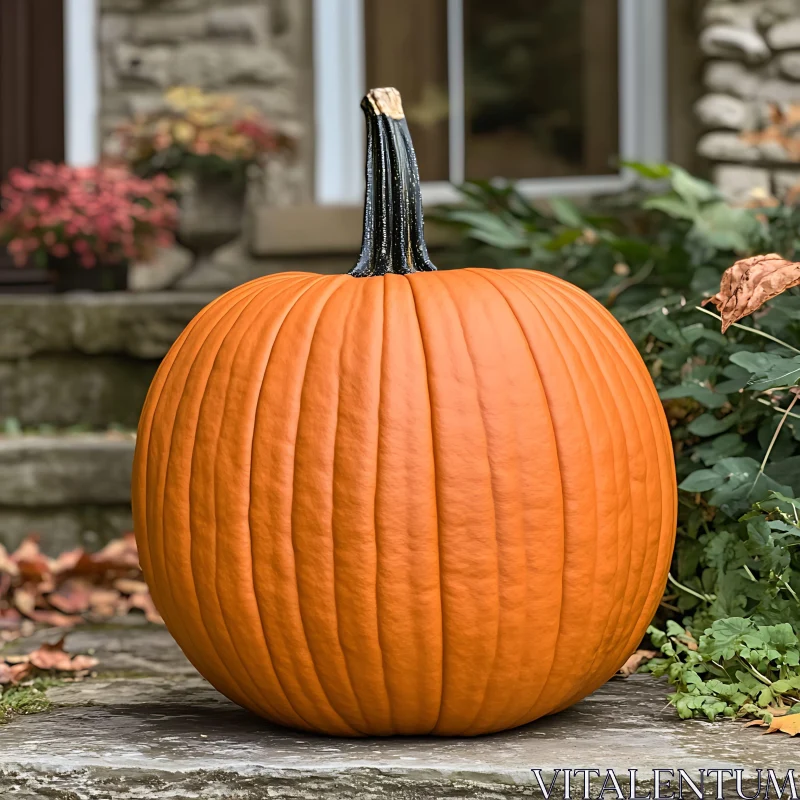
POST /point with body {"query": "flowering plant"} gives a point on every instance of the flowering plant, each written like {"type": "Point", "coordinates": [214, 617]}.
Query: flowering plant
{"type": "Point", "coordinates": [97, 214]}
{"type": "Point", "coordinates": [198, 131]}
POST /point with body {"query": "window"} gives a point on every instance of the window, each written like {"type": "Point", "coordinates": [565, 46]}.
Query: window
{"type": "Point", "coordinates": [551, 94]}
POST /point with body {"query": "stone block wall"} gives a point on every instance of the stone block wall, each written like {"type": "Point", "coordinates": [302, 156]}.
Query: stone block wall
{"type": "Point", "coordinates": [67, 360]}
{"type": "Point", "coordinates": [752, 50]}
{"type": "Point", "coordinates": [257, 50]}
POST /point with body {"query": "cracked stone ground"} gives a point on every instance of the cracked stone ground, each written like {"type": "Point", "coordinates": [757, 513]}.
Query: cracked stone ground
{"type": "Point", "coordinates": [149, 727]}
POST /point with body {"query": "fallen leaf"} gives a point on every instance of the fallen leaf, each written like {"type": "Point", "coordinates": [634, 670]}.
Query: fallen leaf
{"type": "Point", "coordinates": [67, 561]}
{"type": "Point", "coordinates": [53, 656]}
{"type": "Point", "coordinates": [119, 554]}
{"type": "Point", "coordinates": [72, 597]}
{"type": "Point", "coordinates": [750, 283]}
{"type": "Point", "coordinates": [7, 565]}
{"type": "Point", "coordinates": [33, 565]}
{"type": "Point", "coordinates": [14, 673]}
{"type": "Point", "coordinates": [55, 618]}
{"type": "Point", "coordinates": [130, 586]}
{"type": "Point", "coordinates": [635, 661]}
{"type": "Point", "coordinates": [10, 619]}
{"type": "Point", "coordinates": [144, 602]}
{"type": "Point", "coordinates": [788, 723]}
{"type": "Point", "coordinates": [105, 601]}
{"type": "Point", "coordinates": [25, 600]}
{"type": "Point", "coordinates": [687, 639]}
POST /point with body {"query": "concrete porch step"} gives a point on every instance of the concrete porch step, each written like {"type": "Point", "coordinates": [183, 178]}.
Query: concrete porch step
{"type": "Point", "coordinates": [71, 489]}
{"type": "Point", "coordinates": [151, 728]}
{"type": "Point", "coordinates": [86, 358]}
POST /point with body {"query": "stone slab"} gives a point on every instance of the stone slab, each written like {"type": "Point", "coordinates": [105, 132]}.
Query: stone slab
{"type": "Point", "coordinates": [166, 733]}
{"type": "Point", "coordinates": [71, 490]}
{"type": "Point", "coordinates": [140, 325]}
{"type": "Point", "coordinates": [70, 388]}
{"type": "Point", "coordinates": [65, 527]}
{"type": "Point", "coordinates": [38, 471]}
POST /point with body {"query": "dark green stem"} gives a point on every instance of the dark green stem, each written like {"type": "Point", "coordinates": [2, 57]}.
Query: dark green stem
{"type": "Point", "coordinates": [393, 240]}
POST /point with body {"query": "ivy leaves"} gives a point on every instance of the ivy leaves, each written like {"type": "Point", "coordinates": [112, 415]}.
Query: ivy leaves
{"type": "Point", "coordinates": [731, 479]}
{"type": "Point", "coordinates": [768, 370]}
{"type": "Point", "coordinates": [734, 669]}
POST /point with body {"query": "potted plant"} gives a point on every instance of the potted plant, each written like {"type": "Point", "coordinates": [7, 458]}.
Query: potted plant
{"type": "Point", "coordinates": [85, 224]}
{"type": "Point", "coordinates": [208, 143]}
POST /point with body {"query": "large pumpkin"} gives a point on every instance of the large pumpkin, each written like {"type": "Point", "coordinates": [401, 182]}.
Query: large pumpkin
{"type": "Point", "coordinates": [401, 500]}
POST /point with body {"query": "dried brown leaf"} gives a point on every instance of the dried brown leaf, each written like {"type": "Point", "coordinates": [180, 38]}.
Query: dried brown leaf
{"type": "Point", "coordinates": [14, 673]}
{"type": "Point", "coordinates": [10, 619]}
{"type": "Point", "coordinates": [53, 656]}
{"type": "Point", "coordinates": [54, 618]}
{"type": "Point", "coordinates": [750, 283]}
{"type": "Point", "coordinates": [104, 602]}
{"type": "Point", "coordinates": [130, 586]}
{"type": "Point", "coordinates": [25, 600]}
{"type": "Point", "coordinates": [144, 602]}
{"type": "Point", "coordinates": [72, 597]}
{"type": "Point", "coordinates": [67, 561]}
{"type": "Point", "coordinates": [788, 723]}
{"type": "Point", "coordinates": [7, 564]}
{"type": "Point", "coordinates": [119, 554]}
{"type": "Point", "coordinates": [635, 660]}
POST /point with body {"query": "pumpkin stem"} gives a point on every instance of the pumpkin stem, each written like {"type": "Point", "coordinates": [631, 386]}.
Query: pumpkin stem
{"type": "Point", "coordinates": [393, 238]}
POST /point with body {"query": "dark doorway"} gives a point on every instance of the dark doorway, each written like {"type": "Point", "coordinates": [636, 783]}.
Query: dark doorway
{"type": "Point", "coordinates": [31, 82]}
{"type": "Point", "coordinates": [31, 101]}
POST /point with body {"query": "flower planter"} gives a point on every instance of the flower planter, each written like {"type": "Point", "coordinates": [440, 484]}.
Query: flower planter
{"type": "Point", "coordinates": [71, 276]}
{"type": "Point", "coordinates": [211, 211]}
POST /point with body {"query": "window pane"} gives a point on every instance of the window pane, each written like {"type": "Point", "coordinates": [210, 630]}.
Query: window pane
{"type": "Point", "coordinates": [541, 89]}
{"type": "Point", "coordinates": [406, 47]}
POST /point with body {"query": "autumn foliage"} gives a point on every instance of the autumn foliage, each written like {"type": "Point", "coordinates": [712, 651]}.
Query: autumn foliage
{"type": "Point", "coordinates": [750, 283]}
{"type": "Point", "coordinates": [63, 591]}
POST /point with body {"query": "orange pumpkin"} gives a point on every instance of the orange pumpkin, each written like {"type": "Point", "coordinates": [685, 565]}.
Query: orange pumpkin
{"type": "Point", "coordinates": [404, 501]}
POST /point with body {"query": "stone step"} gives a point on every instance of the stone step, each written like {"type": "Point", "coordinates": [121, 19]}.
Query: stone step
{"type": "Point", "coordinates": [152, 728]}
{"type": "Point", "coordinates": [86, 358]}
{"type": "Point", "coordinates": [70, 489]}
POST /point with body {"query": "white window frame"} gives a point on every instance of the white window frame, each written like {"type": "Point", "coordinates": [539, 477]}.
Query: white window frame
{"type": "Point", "coordinates": [339, 75]}
{"type": "Point", "coordinates": [81, 89]}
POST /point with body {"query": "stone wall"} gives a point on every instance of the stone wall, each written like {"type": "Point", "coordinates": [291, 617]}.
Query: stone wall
{"type": "Point", "coordinates": [752, 72]}
{"type": "Point", "coordinates": [84, 359]}
{"type": "Point", "coordinates": [257, 50]}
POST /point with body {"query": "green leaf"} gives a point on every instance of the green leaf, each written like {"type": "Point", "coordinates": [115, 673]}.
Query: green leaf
{"type": "Point", "coordinates": [672, 205]}
{"type": "Point", "coordinates": [709, 425]}
{"type": "Point", "coordinates": [693, 190]}
{"type": "Point", "coordinates": [501, 232]}
{"type": "Point", "coordinates": [769, 370]}
{"type": "Point", "coordinates": [702, 394]}
{"type": "Point", "coordinates": [566, 213]}
{"type": "Point", "coordinates": [701, 481]}
{"type": "Point", "coordinates": [650, 170]}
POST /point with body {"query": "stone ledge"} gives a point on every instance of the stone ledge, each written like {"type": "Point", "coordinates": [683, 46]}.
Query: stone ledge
{"type": "Point", "coordinates": [71, 490]}
{"type": "Point", "coordinates": [139, 325]}
{"type": "Point", "coordinates": [41, 471]}
{"type": "Point", "coordinates": [169, 734]}
{"type": "Point", "coordinates": [70, 389]}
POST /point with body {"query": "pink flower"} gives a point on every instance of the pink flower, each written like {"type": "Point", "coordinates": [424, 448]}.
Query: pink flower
{"type": "Point", "coordinates": [60, 250]}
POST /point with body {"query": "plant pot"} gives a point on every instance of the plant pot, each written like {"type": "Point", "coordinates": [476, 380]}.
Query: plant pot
{"type": "Point", "coordinates": [71, 276]}
{"type": "Point", "coordinates": [211, 211]}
